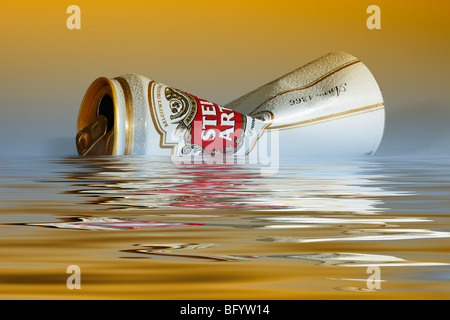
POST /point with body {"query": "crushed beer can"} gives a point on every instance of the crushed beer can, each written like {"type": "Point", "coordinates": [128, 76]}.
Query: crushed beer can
{"type": "Point", "coordinates": [331, 106]}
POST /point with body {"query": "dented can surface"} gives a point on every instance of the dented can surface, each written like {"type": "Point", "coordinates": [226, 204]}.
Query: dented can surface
{"type": "Point", "coordinates": [332, 106]}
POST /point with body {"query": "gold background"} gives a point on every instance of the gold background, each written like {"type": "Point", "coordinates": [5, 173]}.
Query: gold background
{"type": "Point", "coordinates": [218, 50]}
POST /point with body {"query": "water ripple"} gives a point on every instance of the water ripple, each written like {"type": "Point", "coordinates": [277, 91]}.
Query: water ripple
{"type": "Point", "coordinates": [146, 218]}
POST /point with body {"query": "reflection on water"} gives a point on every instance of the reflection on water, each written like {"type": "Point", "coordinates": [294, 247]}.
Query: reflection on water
{"type": "Point", "coordinates": [134, 223]}
{"type": "Point", "coordinates": [173, 250]}
{"type": "Point", "coordinates": [372, 234]}
{"type": "Point", "coordinates": [361, 260]}
{"type": "Point", "coordinates": [111, 224]}
{"type": "Point", "coordinates": [139, 183]}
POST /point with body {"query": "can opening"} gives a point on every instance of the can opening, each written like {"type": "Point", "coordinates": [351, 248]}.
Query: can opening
{"type": "Point", "coordinates": [106, 108]}
{"type": "Point", "coordinates": [97, 120]}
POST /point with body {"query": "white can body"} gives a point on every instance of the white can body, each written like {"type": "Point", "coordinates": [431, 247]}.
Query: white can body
{"type": "Point", "coordinates": [331, 106]}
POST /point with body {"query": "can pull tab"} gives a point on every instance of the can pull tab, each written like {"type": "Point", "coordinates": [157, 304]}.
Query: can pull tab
{"type": "Point", "coordinates": [95, 134]}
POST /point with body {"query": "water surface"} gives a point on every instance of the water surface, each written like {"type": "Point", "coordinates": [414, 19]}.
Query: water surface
{"type": "Point", "coordinates": [145, 228]}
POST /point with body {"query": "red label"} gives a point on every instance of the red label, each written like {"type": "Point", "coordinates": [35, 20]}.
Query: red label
{"type": "Point", "coordinates": [216, 129]}
{"type": "Point", "coordinates": [193, 125]}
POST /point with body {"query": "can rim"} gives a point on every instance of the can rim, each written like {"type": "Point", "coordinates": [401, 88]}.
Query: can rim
{"type": "Point", "coordinates": [90, 104]}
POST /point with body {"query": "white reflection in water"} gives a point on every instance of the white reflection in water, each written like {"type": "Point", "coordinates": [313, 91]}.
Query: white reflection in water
{"type": "Point", "coordinates": [103, 223]}
{"type": "Point", "coordinates": [370, 235]}
{"type": "Point", "coordinates": [347, 259]}
{"type": "Point", "coordinates": [326, 221]}
{"type": "Point", "coordinates": [143, 184]}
